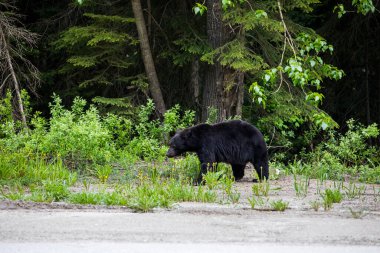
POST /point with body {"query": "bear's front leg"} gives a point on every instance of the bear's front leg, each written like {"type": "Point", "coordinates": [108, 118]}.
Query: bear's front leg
{"type": "Point", "coordinates": [207, 162]}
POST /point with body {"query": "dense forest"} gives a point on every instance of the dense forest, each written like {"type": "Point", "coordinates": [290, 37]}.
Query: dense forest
{"type": "Point", "coordinates": [95, 85]}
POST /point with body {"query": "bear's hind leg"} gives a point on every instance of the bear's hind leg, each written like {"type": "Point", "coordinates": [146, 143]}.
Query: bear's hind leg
{"type": "Point", "coordinates": [238, 171]}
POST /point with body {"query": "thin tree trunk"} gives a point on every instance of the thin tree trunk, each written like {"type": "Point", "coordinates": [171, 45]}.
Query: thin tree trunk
{"type": "Point", "coordinates": [154, 85]}
{"type": "Point", "coordinates": [194, 83]}
{"type": "Point", "coordinates": [368, 108]}
{"type": "Point", "coordinates": [213, 88]}
{"type": "Point", "coordinates": [240, 94]}
{"type": "Point", "coordinates": [14, 78]}
{"type": "Point", "coordinates": [149, 18]}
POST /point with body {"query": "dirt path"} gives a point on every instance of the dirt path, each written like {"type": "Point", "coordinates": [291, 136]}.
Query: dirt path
{"type": "Point", "coordinates": [194, 227]}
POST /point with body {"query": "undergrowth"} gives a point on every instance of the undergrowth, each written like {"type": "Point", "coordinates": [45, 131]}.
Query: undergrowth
{"type": "Point", "coordinates": [81, 156]}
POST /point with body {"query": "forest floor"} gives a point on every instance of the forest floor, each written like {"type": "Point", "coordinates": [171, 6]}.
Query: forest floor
{"type": "Point", "coordinates": [349, 226]}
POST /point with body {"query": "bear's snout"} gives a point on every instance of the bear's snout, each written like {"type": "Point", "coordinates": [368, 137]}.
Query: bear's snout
{"type": "Point", "coordinates": [171, 153]}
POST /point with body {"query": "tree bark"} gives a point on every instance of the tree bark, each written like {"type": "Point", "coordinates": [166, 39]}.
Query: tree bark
{"type": "Point", "coordinates": [14, 77]}
{"type": "Point", "coordinates": [367, 91]}
{"type": "Point", "coordinates": [194, 82]}
{"type": "Point", "coordinates": [154, 85]}
{"type": "Point", "coordinates": [213, 87]}
{"type": "Point", "coordinates": [240, 94]}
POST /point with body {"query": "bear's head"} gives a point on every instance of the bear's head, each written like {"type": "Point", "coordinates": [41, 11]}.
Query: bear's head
{"type": "Point", "coordinates": [183, 141]}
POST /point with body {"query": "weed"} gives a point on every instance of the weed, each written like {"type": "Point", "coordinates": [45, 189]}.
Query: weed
{"type": "Point", "coordinates": [39, 196]}
{"type": "Point", "coordinates": [233, 197]}
{"type": "Point", "coordinates": [103, 172]}
{"type": "Point", "coordinates": [357, 214]}
{"type": "Point", "coordinates": [261, 189]}
{"type": "Point", "coordinates": [315, 205]}
{"type": "Point", "coordinates": [257, 201]}
{"type": "Point", "coordinates": [211, 179]}
{"type": "Point", "coordinates": [301, 177]}
{"type": "Point", "coordinates": [331, 196]}
{"type": "Point", "coordinates": [346, 155]}
{"type": "Point", "coordinates": [85, 198]}
{"type": "Point", "coordinates": [56, 190]}
{"type": "Point", "coordinates": [279, 205]}
{"type": "Point", "coordinates": [14, 195]}
{"type": "Point", "coordinates": [352, 191]}
{"type": "Point", "coordinates": [301, 185]}
{"type": "Point", "coordinates": [205, 195]}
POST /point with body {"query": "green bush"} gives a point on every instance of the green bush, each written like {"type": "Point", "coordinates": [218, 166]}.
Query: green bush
{"type": "Point", "coordinates": [343, 155]}
{"type": "Point", "coordinates": [77, 134]}
{"type": "Point", "coordinates": [29, 169]}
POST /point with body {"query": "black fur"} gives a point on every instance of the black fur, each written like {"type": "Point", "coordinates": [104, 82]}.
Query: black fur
{"type": "Point", "coordinates": [235, 142]}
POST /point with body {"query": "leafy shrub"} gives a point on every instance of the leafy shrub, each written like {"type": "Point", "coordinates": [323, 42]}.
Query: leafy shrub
{"type": "Point", "coordinates": [120, 128]}
{"type": "Point", "coordinates": [331, 196]}
{"type": "Point", "coordinates": [150, 135]}
{"type": "Point", "coordinates": [343, 155]}
{"type": "Point", "coordinates": [352, 148]}
{"type": "Point", "coordinates": [146, 149]}
{"type": "Point", "coordinates": [21, 167]}
{"type": "Point", "coordinates": [77, 134]}
{"type": "Point", "coordinates": [56, 190]}
{"type": "Point", "coordinates": [187, 167]}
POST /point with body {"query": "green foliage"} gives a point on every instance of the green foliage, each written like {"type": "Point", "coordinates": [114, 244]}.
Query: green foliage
{"type": "Point", "coordinates": [120, 127]}
{"type": "Point", "coordinates": [103, 172]}
{"type": "Point", "coordinates": [279, 205]}
{"type": "Point", "coordinates": [187, 168]}
{"type": "Point", "coordinates": [212, 115]}
{"type": "Point", "coordinates": [86, 198]}
{"type": "Point", "coordinates": [352, 148]}
{"type": "Point", "coordinates": [362, 6]}
{"type": "Point", "coordinates": [99, 52]}
{"type": "Point", "coordinates": [85, 139]}
{"type": "Point", "coordinates": [199, 9]}
{"type": "Point", "coordinates": [352, 191]}
{"type": "Point", "coordinates": [6, 119]}
{"type": "Point", "coordinates": [56, 190]}
{"type": "Point", "coordinates": [261, 189]}
{"type": "Point", "coordinates": [77, 134]}
{"type": "Point", "coordinates": [146, 149]}
{"type": "Point", "coordinates": [253, 20]}
{"type": "Point", "coordinates": [190, 46]}
{"type": "Point", "coordinates": [306, 70]}
{"type": "Point", "coordinates": [27, 169]}
{"type": "Point", "coordinates": [331, 196]}
{"type": "Point", "coordinates": [347, 154]}
{"type": "Point", "coordinates": [315, 204]}
{"type": "Point", "coordinates": [235, 55]}
{"type": "Point", "coordinates": [257, 201]}
{"type": "Point", "coordinates": [211, 179]}
{"type": "Point", "coordinates": [151, 134]}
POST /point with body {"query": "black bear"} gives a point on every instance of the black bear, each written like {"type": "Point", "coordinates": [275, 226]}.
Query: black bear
{"type": "Point", "coordinates": [235, 142]}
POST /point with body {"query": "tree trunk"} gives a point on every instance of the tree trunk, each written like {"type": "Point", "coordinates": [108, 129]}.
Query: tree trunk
{"type": "Point", "coordinates": [213, 87]}
{"type": "Point", "coordinates": [13, 75]}
{"type": "Point", "coordinates": [194, 82]}
{"type": "Point", "coordinates": [154, 85]}
{"type": "Point", "coordinates": [367, 91]}
{"type": "Point", "coordinates": [240, 94]}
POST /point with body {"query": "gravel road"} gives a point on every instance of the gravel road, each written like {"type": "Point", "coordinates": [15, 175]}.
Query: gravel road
{"type": "Point", "coordinates": [195, 227]}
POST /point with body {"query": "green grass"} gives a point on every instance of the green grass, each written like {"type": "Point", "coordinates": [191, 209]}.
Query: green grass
{"type": "Point", "coordinates": [257, 201]}
{"type": "Point", "coordinates": [261, 189]}
{"type": "Point", "coordinates": [352, 191]}
{"type": "Point", "coordinates": [315, 204]}
{"type": "Point", "coordinates": [331, 196]}
{"type": "Point", "coordinates": [279, 205]}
